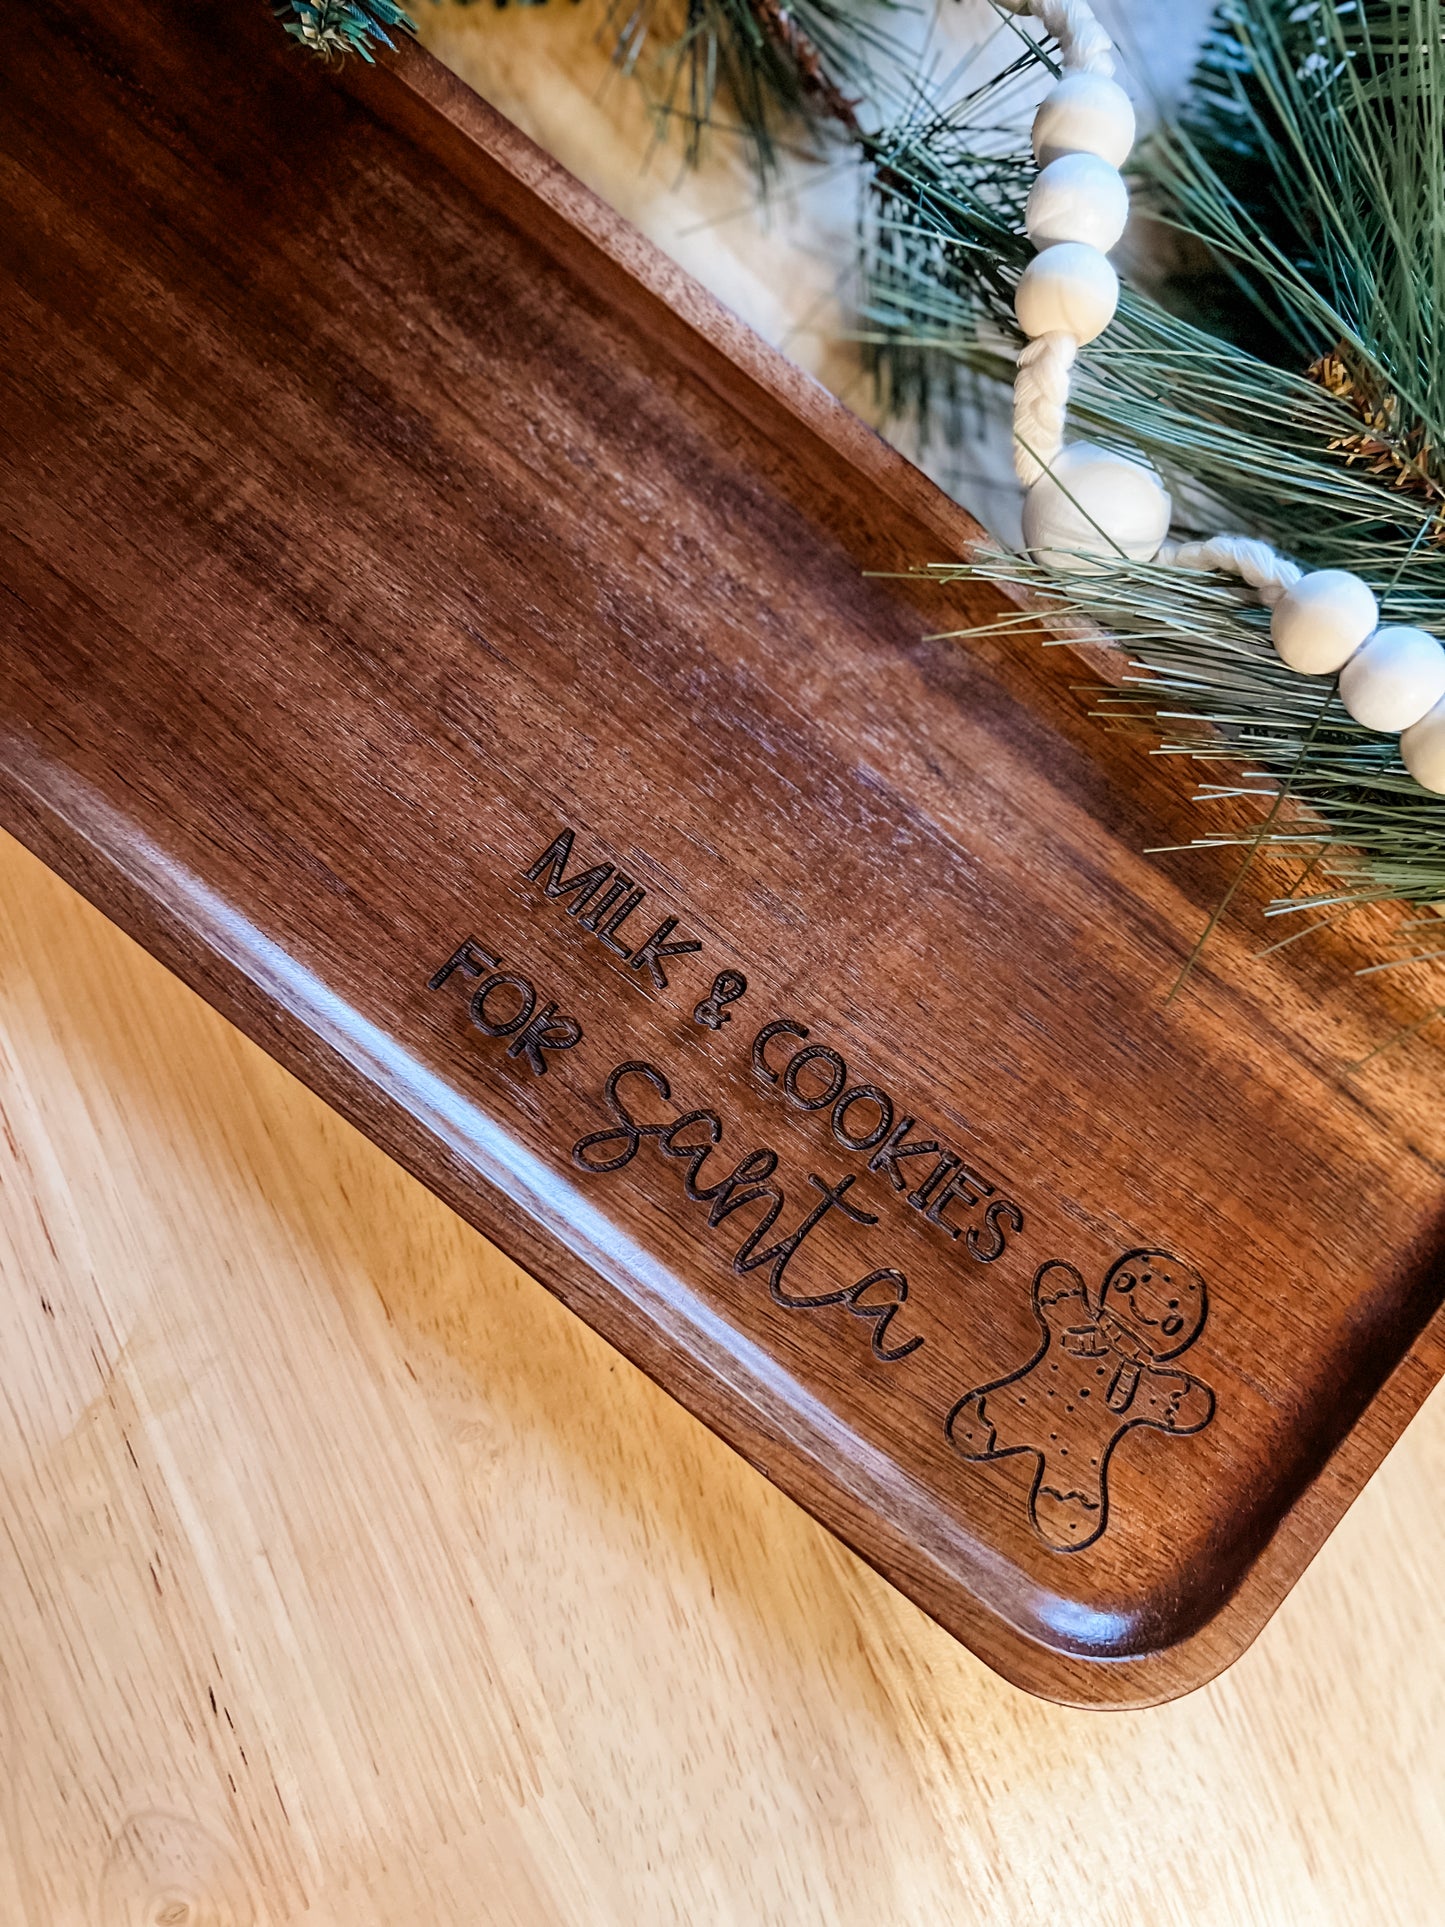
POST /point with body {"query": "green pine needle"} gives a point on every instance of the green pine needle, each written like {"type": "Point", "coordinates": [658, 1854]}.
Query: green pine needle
{"type": "Point", "coordinates": [766, 70]}
{"type": "Point", "coordinates": [333, 28]}
{"type": "Point", "coordinates": [761, 67]}
{"type": "Point", "coordinates": [1296, 391]}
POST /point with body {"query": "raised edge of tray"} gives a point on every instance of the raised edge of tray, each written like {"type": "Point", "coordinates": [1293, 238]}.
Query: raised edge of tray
{"type": "Point", "coordinates": [261, 763]}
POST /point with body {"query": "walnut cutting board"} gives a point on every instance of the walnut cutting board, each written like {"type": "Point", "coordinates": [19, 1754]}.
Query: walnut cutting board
{"type": "Point", "coordinates": [543, 779]}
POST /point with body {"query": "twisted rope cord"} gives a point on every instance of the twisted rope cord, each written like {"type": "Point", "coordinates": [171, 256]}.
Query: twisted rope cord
{"type": "Point", "coordinates": [1084, 47]}
{"type": "Point", "coordinates": [1041, 401]}
{"type": "Point", "coordinates": [1268, 573]}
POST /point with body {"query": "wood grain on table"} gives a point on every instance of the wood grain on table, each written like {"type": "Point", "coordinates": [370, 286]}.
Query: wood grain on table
{"type": "Point", "coordinates": [439, 1610]}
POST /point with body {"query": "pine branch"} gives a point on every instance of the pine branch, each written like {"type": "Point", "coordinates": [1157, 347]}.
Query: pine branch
{"type": "Point", "coordinates": [1203, 675]}
{"type": "Point", "coordinates": [1309, 168]}
{"type": "Point", "coordinates": [817, 85]}
{"type": "Point", "coordinates": [776, 67]}
{"type": "Point", "coordinates": [1308, 159]}
{"type": "Point", "coordinates": [1396, 450]}
{"type": "Point", "coordinates": [779, 66]}
{"type": "Point", "coordinates": [334, 28]}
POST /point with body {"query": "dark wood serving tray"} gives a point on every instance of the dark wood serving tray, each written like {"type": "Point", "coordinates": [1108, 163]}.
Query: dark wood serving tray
{"type": "Point", "coordinates": [441, 633]}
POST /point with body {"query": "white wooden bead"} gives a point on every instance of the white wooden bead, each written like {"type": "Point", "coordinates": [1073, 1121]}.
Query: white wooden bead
{"type": "Point", "coordinates": [1069, 289]}
{"type": "Point", "coordinates": [1394, 680]}
{"type": "Point", "coordinates": [1423, 748]}
{"type": "Point", "coordinates": [1095, 503]}
{"type": "Point", "coordinates": [1084, 114]}
{"type": "Point", "coordinates": [1078, 197]}
{"type": "Point", "coordinates": [1320, 623]}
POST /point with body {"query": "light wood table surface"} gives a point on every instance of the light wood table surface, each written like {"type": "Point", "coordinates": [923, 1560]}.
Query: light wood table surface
{"type": "Point", "coordinates": [346, 1579]}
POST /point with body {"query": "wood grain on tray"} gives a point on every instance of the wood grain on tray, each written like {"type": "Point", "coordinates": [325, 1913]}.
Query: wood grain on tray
{"type": "Point", "coordinates": [451, 646]}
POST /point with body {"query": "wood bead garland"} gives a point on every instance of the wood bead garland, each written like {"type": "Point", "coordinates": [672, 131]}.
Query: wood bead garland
{"type": "Point", "coordinates": [1069, 289]}
{"type": "Point", "coordinates": [1082, 502]}
{"type": "Point", "coordinates": [1395, 680]}
{"type": "Point", "coordinates": [1422, 750]}
{"type": "Point", "coordinates": [1320, 623]}
{"type": "Point", "coordinates": [1391, 679]}
{"type": "Point", "coordinates": [1078, 197]}
{"type": "Point", "coordinates": [1087, 506]}
{"type": "Point", "coordinates": [1095, 504]}
{"type": "Point", "coordinates": [1084, 114]}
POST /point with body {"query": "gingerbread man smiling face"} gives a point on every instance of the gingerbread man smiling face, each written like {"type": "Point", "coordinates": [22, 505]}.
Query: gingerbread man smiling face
{"type": "Point", "coordinates": [1097, 1374]}
{"type": "Point", "coordinates": [1159, 1300]}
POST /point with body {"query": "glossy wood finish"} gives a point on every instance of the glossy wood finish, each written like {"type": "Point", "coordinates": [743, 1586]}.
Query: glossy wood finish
{"type": "Point", "coordinates": [483, 1612]}
{"type": "Point", "coordinates": [351, 560]}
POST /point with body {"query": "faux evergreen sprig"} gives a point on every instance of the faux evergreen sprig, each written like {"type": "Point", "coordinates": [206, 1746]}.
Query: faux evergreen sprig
{"type": "Point", "coordinates": [763, 67]}
{"type": "Point", "coordinates": [770, 66]}
{"type": "Point", "coordinates": [1302, 400]}
{"type": "Point", "coordinates": [333, 28]}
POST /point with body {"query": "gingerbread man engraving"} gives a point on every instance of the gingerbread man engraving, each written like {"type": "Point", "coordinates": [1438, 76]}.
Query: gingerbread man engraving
{"type": "Point", "coordinates": [1096, 1375]}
